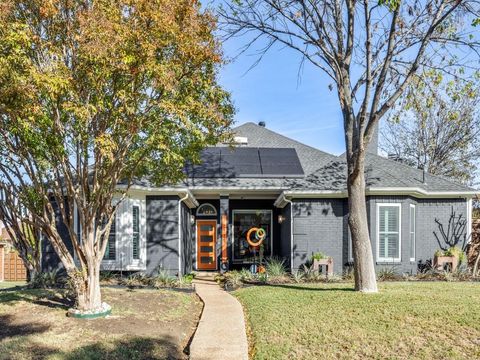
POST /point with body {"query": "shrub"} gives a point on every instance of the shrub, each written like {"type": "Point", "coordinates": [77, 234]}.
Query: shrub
{"type": "Point", "coordinates": [319, 256]}
{"type": "Point", "coordinates": [233, 279]}
{"type": "Point", "coordinates": [311, 275]}
{"type": "Point", "coordinates": [349, 274]}
{"type": "Point", "coordinates": [458, 253]}
{"type": "Point", "coordinates": [135, 280]}
{"type": "Point", "coordinates": [276, 267]}
{"type": "Point", "coordinates": [48, 280]}
{"type": "Point", "coordinates": [187, 279]}
{"type": "Point", "coordinates": [388, 274]}
{"type": "Point", "coordinates": [164, 279]}
{"type": "Point", "coordinates": [453, 251]}
{"type": "Point", "coordinates": [297, 276]}
{"type": "Point", "coordinates": [246, 275]}
{"type": "Point", "coordinates": [262, 278]}
{"type": "Point", "coordinates": [108, 276]}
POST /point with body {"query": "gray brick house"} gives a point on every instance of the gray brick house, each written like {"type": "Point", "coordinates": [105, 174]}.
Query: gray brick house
{"type": "Point", "coordinates": [296, 194]}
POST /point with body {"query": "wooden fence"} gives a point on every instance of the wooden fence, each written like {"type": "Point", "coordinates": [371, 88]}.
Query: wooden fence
{"type": "Point", "coordinates": [11, 266]}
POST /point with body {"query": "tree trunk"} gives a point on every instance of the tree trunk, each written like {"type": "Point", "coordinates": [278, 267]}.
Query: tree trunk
{"type": "Point", "coordinates": [87, 289]}
{"type": "Point", "coordinates": [33, 270]}
{"type": "Point", "coordinates": [477, 262]}
{"type": "Point", "coordinates": [365, 277]}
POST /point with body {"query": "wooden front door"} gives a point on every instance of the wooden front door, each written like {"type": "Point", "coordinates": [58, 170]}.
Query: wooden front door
{"type": "Point", "coordinates": [206, 244]}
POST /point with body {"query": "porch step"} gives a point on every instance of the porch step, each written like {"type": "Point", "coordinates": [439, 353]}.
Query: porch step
{"type": "Point", "coordinates": [206, 275]}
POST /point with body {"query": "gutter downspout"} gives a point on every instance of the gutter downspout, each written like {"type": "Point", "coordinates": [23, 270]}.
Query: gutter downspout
{"type": "Point", "coordinates": [291, 230]}
{"type": "Point", "coordinates": [180, 201]}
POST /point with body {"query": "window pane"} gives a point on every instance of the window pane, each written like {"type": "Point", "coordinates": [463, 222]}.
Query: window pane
{"type": "Point", "coordinates": [206, 227]}
{"type": "Point", "coordinates": [388, 246]}
{"type": "Point", "coordinates": [206, 249]}
{"type": "Point", "coordinates": [206, 238]}
{"type": "Point", "coordinates": [389, 229]}
{"type": "Point", "coordinates": [389, 218]}
{"type": "Point", "coordinates": [206, 260]}
{"type": "Point", "coordinates": [242, 222]}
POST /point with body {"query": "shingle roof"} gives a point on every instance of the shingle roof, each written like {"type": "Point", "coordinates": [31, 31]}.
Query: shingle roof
{"type": "Point", "coordinates": [324, 171]}
{"type": "Point", "coordinates": [259, 136]}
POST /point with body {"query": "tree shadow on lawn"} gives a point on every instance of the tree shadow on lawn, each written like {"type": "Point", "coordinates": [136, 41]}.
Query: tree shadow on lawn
{"type": "Point", "coordinates": [10, 329]}
{"type": "Point", "coordinates": [311, 288]}
{"type": "Point", "coordinates": [47, 298]}
{"type": "Point", "coordinates": [134, 348]}
{"type": "Point", "coordinates": [131, 348]}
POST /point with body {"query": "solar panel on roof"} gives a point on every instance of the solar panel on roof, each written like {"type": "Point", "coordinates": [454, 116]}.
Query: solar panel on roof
{"type": "Point", "coordinates": [223, 162]}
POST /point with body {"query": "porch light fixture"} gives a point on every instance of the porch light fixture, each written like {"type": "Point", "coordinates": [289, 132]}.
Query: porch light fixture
{"type": "Point", "coordinates": [192, 219]}
{"type": "Point", "coordinates": [281, 219]}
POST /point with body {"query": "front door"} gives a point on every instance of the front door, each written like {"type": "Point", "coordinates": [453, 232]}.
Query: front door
{"type": "Point", "coordinates": [206, 241]}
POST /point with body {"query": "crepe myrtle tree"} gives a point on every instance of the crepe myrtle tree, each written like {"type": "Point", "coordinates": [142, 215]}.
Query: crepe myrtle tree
{"type": "Point", "coordinates": [370, 51]}
{"type": "Point", "coordinates": [97, 93]}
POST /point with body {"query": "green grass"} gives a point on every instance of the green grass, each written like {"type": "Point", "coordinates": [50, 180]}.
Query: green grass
{"type": "Point", "coordinates": [405, 320]}
{"type": "Point", "coordinates": [11, 284]}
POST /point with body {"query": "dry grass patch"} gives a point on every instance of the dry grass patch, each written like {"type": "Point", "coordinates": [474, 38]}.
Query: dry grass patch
{"type": "Point", "coordinates": [145, 324]}
{"type": "Point", "coordinates": [406, 320]}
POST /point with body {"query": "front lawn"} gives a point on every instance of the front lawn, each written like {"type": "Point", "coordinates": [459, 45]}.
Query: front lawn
{"type": "Point", "coordinates": [145, 324]}
{"type": "Point", "coordinates": [406, 320]}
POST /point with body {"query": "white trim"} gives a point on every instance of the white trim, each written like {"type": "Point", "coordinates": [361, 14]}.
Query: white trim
{"type": "Point", "coordinates": [382, 259]}
{"type": "Point", "coordinates": [414, 191]}
{"type": "Point", "coordinates": [246, 211]}
{"type": "Point", "coordinates": [469, 219]}
{"type": "Point", "coordinates": [291, 231]}
{"type": "Point", "coordinates": [206, 215]}
{"type": "Point", "coordinates": [191, 201]}
{"type": "Point", "coordinates": [419, 192]}
{"type": "Point", "coordinates": [414, 207]}
{"type": "Point", "coordinates": [123, 236]}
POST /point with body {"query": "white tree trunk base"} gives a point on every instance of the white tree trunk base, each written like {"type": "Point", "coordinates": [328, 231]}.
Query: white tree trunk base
{"type": "Point", "coordinates": [101, 312]}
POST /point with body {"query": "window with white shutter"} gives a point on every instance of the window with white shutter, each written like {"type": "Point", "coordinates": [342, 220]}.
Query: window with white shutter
{"type": "Point", "coordinates": [388, 226]}
{"type": "Point", "coordinates": [111, 251]}
{"type": "Point", "coordinates": [136, 232]}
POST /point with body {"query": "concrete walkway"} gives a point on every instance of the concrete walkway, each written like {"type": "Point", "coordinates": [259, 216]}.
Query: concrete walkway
{"type": "Point", "coordinates": [221, 331]}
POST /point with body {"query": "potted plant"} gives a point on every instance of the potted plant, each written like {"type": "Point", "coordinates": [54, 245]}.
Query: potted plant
{"type": "Point", "coordinates": [320, 259]}
{"type": "Point", "coordinates": [453, 256]}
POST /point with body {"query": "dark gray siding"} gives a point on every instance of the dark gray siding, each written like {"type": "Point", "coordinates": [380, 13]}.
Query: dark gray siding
{"type": "Point", "coordinates": [188, 247]}
{"type": "Point", "coordinates": [162, 234]}
{"type": "Point", "coordinates": [285, 236]}
{"type": "Point", "coordinates": [50, 259]}
{"type": "Point", "coordinates": [318, 225]}
{"type": "Point", "coordinates": [427, 211]}
{"type": "Point", "coordinates": [322, 225]}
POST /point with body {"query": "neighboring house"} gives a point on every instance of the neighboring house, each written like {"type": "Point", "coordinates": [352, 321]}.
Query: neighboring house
{"type": "Point", "coordinates": [12, 267]}
{"type": "Point", "coordinates": [296, 193]}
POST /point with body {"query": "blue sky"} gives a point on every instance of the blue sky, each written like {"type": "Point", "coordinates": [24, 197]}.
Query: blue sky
{"type": "Point", "coordinates": [302, 108]}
